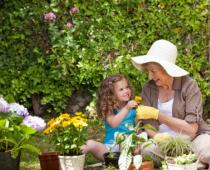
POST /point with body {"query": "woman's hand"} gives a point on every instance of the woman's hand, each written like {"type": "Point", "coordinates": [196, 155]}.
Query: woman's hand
{"type": "Point", "coordinates": [146, 112]}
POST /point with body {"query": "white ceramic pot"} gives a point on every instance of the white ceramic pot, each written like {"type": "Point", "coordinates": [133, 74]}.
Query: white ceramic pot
{"type": "Point", "coordinates": [192, 166]}
{"type": "Point", "coordinates": [72, 162]}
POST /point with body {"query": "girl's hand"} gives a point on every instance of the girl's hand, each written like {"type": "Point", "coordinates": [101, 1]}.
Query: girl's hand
{"type": "Point", "coordinates": [131, 104]}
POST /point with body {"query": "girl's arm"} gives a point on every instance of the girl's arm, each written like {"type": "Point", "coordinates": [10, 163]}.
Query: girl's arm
{"type": "Point", "coordinates": [115, 120]}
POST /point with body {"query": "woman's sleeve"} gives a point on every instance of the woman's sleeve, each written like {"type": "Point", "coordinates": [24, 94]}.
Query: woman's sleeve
{"type": "Point", "coordinates": [145, 93]}
{"type": "Point", "coordinates": [193, 99]}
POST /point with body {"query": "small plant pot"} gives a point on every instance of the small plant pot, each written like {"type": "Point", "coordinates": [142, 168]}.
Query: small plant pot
{"type": "Point", "coordinates": [72, 162]}
{"type": "Point", "coordinates": [146, 165]}
{"type": "Point", "coordinates": [111, 159]}
{"type": "Point", "coordinates": [174, 166]}
{"type": "Point", "coordinates": [49, 161]}
{"type": "Point", "coordinates": [9, 163]}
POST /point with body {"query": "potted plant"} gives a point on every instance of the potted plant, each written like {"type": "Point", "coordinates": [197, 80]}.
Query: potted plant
{"type": "Point", "coordinates": [111, 159]}
{"type": "Point", "coordinates": [177, 153]}
{"type": "Point", "coordinates": [68, 133]}
{"type": "Point", "coordinates": [128, 143]}
{"type": "Point", "coordinates": [17, 128]}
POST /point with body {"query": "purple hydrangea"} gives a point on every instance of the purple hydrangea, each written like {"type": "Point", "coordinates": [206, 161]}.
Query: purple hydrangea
{"type": "Point", "coordinates": [73, 10]}
{"type": "Point", "coordinates": [4, 106]}
{"type": "Point", "coordinates": [18, 109]}
{"type": "Point", "coordinates": [50, 16]}
{"type": "Point", "coordinates": [34, 122]}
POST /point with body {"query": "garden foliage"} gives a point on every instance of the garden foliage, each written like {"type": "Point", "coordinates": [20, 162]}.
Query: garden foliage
{"type": "Point", "coordinates": [81, 42]}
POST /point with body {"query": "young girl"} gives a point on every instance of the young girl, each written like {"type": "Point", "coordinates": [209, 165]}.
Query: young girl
{"type": "Point", "coordinates": [117, 109]}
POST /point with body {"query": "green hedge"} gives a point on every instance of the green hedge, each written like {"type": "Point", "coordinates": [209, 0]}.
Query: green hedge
{"type": "Point", "coordinates": [50, 59]}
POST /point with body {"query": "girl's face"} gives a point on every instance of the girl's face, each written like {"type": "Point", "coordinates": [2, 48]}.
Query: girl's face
{"type": "Point", "coordinates": [122, 91]}
{"type": "Point", "coordinates": [159, 76]}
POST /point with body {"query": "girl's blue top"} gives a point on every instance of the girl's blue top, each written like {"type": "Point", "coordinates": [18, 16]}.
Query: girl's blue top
{"type": "Point", "coordinates": [109, 131]}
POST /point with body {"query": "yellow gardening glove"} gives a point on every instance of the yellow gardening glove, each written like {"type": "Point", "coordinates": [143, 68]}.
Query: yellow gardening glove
{"type": "Point", "coordinates": [146, 112]}
{"type": "Point", "coordinates": [161, 137]}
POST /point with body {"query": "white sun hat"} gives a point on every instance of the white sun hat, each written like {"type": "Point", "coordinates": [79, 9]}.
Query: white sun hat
{"type": "Point", "coordinates": [164, 53]}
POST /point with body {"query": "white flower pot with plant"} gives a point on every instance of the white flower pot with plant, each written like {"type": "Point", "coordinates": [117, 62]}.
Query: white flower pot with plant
{"type": "Point", "coordinates": [184, 162]}
{"type": "Point", "coordinates": [68, 133]}
{"type": "Point", "coordinates": [177, 153]}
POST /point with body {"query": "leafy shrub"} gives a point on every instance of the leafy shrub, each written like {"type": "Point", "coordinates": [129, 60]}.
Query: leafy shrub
{"type": "Point", "coordinates": [78, 49]}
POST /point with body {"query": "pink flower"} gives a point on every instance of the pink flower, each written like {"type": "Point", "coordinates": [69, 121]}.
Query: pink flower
{"type": "Point", "coordinates": [69, 24]}
{"type": "Point", "coordinates": [73, 10]}
{"type": "Point", "coordinates": [50, 16]}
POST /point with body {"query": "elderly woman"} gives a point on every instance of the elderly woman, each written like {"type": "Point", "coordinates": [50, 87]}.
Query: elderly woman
{"type": "Point", "coordinates": [172, 99]}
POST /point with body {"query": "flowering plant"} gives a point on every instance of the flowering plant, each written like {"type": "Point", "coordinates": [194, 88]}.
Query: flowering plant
{"type": "Point", "coordinates": [138, 99]}
{"type": "Point", "coordinates": [66, 17]}
{"type": "Point", "coordinates": [17, 128]}
{"type": "Point", "coordinates": [68, 133]}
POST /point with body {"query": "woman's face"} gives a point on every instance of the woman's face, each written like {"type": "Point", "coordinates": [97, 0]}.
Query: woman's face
{"type": "Point", "coordinates": [158, 75]}
{"type": "Point", "coordinates": [122, 91]}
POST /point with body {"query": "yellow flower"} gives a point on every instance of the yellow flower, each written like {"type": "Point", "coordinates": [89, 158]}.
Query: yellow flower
{"type": "Point", "coordinates": [79, 122]}
{"type": "Point", "coordinates": [50, 121]}
{"type": "Point", "coordinates": [138, 99]}
{"type": "Point", "coordinates": [66, 123]}
{"type": "Point", "coordinates": [78, 113]}
{"type": "Point", "coordinates": [65, 116]}
{"type": "Point", "coordinates": [49, 130]}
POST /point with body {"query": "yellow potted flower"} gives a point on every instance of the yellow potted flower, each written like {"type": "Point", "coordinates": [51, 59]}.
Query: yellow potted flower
{"type": "Point", "coordinates": [68, 133]}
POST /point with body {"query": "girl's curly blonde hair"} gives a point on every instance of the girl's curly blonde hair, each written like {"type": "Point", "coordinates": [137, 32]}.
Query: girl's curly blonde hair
{"type": "Point", "coordinates": [106, 101]}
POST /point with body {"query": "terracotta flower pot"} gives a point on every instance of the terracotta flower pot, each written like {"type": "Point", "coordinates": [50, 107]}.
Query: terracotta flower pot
{"type": "Point", "coordinates": [146, 165]}
{"type": "Point", "coordinates": [49, 161]}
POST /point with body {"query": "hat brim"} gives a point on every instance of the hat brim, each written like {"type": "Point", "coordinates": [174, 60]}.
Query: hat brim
{"type": "Point", "coordinates": [172, 69]}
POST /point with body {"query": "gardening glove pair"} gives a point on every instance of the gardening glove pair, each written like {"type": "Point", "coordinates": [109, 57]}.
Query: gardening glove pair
{"type": "Point", "coordinates": [146, 112]}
